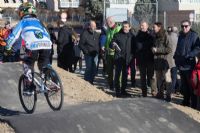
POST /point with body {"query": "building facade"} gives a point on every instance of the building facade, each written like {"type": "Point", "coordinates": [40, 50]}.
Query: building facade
{"type": "Point", "coordinates": [51, 4]}
{"type": "Point", "coordinates": [181, 5]}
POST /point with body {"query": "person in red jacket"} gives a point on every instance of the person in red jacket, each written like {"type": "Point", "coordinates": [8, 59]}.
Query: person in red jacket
{"type": "Point", "coordinates": [4, 32]}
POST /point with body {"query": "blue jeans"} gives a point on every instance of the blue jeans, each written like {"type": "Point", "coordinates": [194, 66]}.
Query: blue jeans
{"type": "Point", "coordinates": [91, 68]}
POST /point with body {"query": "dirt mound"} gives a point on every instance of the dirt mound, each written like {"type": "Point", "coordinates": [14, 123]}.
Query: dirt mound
{"type": "Point", "coordinates": [77, 90]}
{"type": "Point", "coordinates": [5, 128]}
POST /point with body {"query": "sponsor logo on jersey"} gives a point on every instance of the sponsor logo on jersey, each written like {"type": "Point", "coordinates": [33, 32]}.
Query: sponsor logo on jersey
{"type": "Point", "coordinates": [38, 34]}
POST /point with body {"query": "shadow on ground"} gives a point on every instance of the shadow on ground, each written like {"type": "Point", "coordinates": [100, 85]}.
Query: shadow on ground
{"type": "Point", "coordinates": [8, 112]}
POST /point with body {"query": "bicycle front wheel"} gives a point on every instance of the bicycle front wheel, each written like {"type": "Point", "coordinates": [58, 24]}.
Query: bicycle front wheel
{"type": "Point", "coordinates": [28, 101]}
{"type": "Point", "coordinates": [54, 95]}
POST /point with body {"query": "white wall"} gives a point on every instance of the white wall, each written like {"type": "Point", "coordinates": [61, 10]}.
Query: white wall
{"type": "Point", "coordinates": [190, 6]}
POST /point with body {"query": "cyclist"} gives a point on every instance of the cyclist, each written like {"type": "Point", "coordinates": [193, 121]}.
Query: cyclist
{"type": "Point", "coordinates": [37, 42]}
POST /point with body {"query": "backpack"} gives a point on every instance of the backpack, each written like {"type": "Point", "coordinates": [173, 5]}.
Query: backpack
{"type": "Point", "coordinates": [195, 79]}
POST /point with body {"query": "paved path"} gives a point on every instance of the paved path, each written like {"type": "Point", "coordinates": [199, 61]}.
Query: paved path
{"type": "Point", "coordinates": [129, 115]}
{"type": "Point", "coordinates": [139, 115]}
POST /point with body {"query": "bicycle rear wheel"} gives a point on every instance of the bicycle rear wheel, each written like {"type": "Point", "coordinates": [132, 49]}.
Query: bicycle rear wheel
{"type": "Point", "coordinates": [54, 95]}
{"type": "Point", "coordinates": [28, 101]}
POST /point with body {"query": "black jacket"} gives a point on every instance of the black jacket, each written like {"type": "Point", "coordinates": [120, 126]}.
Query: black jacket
{"type": "Point", "coordinates": [126, 42]}
{"type": "Point", "coordinates": [89, 42]}
{"type": "Point", "coordinates": [144, 44]}
{"type": "Point", "coordinates": [65, 47]}
{"type": "Point", "coordinates": [187, 48]}
{"type": "Point", "coordinates": [64, 40]}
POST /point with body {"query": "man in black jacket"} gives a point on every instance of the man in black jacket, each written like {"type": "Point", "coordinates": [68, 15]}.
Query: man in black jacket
{"type": "Point", "coordinates": [187, 49]}
{"type": "Point", "coordinates": [123, 43]}
{"type": "Point", "coordinates": [89, 44]}
{"type": "Point", "coordinates": [145, 58]}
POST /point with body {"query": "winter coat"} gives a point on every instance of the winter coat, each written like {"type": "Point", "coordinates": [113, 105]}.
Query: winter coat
{"type": "Point", "coordinates": [65, 46]}
{"type": "Point", "coordinates": [109, 36]}
{"type": "Point", "coordinates": [161, 43]}
{"type": "Point", "coordinates": [89, 42]}
{"type": "Point", "coordinates": [173, 39]}
{"type": "Point", "coordinates": [126, 42]}
{"type": "Point", "coordinates": [64, 39]}
{"type": "Point", "coordinates": [144, 44]}
{"type": "Point", "coordinates": [187, 48]}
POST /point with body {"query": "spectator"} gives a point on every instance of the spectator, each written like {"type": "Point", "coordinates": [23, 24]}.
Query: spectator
{"type": "Point", "coordinates": [4, 32]}
{"type": "Point", "coordinates": [188, 47]}
{"type": "Point", "coordinates": [145, 58]}
{"type": "Point", "coordinates": [160, 50]}
{"type": "Point", "coordinates": [78, 53]}
{"type": "Point", "coordinates": [123, 43]}
{"type": "Point", "coordinates": [65, 48]}
{"type": "Point", "coordinates": [113, 28]}
{"type": "Point", "coordinates": [102, 42]}
{"type": "Point", "coordinates": [53, 40]}
{"type": "Point", "coordinates": [89, 44]}
{"type": "Point", "coordinates": [173, 39]}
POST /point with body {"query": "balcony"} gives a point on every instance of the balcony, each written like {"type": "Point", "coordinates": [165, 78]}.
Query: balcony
{"type": "Point", "coordinates": [69, 4]}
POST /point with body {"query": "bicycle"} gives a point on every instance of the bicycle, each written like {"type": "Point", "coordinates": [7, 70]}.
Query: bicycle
{"type": "Point", "coordinates": [47, 82]}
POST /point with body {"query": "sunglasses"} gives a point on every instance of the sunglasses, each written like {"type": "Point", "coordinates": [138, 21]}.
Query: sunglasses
{"type": "Point", "coordinates": [184, 26]}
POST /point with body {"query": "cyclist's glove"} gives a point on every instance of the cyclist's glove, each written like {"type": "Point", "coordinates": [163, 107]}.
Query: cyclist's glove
{"type": "Point", "coordinates": [9, 51]}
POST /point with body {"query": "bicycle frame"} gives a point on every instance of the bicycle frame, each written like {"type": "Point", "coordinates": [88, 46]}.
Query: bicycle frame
{"type": "Point", "coordinates": [42, 87]}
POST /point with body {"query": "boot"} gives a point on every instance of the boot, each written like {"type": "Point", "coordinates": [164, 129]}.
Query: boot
{"type": "Point", "coordinates": [168, 98]}
{"type": "Point", "coordinates": [117, 91]}
{"type": "Point", "coordinates": [160, 95]}
{"type": "Point", "coordinates": [144, 92]}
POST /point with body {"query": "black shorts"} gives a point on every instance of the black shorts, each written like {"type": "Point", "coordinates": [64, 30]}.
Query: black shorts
{"type": "Point", "coordinates": [42, 56]}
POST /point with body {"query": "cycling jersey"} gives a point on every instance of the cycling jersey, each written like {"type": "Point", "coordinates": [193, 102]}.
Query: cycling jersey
{"type": "Point", "coordinates": [32, 32]}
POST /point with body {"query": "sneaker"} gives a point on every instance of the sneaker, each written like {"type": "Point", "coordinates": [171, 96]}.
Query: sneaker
{"type": "Point", "coordinates": [77, 71]}
{"type": "Point", "coordinates": [29, 90]}
{"type": "Point", "coordinates": [81, 72]}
